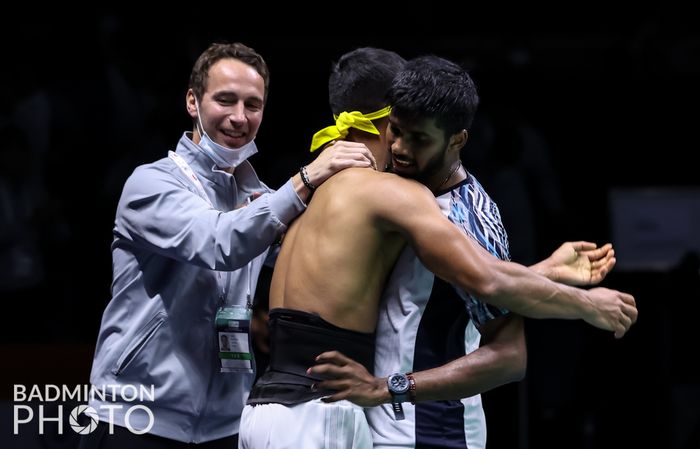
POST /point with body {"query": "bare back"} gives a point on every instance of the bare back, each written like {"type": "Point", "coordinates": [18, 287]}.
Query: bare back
{"type": "Point", "coordinates": [336, 256]}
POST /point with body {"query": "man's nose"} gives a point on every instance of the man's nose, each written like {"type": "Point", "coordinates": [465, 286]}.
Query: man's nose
{"type": "Point", "coordinates": [395, 145]}
{"type": "Point", "coordinates": [237, 113]}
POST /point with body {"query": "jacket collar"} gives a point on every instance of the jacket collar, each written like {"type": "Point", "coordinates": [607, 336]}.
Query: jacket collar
{"type": "Point", "coordinates": [246, 178]}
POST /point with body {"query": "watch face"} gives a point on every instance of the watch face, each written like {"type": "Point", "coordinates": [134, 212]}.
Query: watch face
{"type": "Point", "coordinates": [398, 383]}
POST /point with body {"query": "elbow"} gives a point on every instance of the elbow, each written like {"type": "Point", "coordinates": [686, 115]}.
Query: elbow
{"type": "Point", "coordinates": [520, 369]}
{"type": "Point", "coordinates": [486, 290]}
{"type": "Point", "coordinates": [520, 364]}
{"type": "Point", "coordinates": [514, 356]}
{"type": "Point", "coordinates": [517, 365]}
{"type": "Point", "coordinates": [488, 287]}
{"type": "Point", "coordinates": [510, 363]}
{"type": "Point", "coordinates": [482, 280]}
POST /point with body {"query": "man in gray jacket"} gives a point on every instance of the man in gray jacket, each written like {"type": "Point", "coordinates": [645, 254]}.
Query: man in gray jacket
{"type": "Point", "coordinates": [186, 259]}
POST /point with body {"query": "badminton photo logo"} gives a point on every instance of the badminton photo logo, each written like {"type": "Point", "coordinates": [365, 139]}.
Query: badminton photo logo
{"type": "Point", "coordinates": [38, 408]}
{"type": "Point", "coordinates": [89, 413]}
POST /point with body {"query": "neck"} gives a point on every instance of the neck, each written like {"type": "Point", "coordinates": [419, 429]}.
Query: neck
{"type": "Point", "coordinates": [195, 135]}
{"type": "Point", "coordinates": [450, 177]}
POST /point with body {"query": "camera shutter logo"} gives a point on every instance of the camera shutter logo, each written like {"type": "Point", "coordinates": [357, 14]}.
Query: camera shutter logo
{"type": "Point", "coordinates": [87, 411]}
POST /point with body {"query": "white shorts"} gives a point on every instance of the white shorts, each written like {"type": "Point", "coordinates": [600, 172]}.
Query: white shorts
{"type": "Point", "coordinates": [310, 425]}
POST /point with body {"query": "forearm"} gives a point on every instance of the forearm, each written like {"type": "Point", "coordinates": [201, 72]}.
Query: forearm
{"type": "Point", "coordinates": [157, 212]}
{"type": "Point", "coordinates": [302, 191]}
{"type": "Point", "coordinates": [484, 369]}
{"type": "Point", "coordinates": [480, 371]}
{"type": "Point", "coordinates": [527, 293]}
{"type": "Point", "coordinates": [502, 358]}
{"type": "Point", "coordinates": [509, 285]}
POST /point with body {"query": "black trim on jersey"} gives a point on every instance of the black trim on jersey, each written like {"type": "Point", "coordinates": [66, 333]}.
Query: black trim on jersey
{"type": "Point", "coordinates": [440, 339]}
{"type": "Point", "coordinates": [454, 186]}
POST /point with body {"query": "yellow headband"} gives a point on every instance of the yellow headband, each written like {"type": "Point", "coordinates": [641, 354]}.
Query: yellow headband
{"type": "Point", "coordinates": [345, 121]}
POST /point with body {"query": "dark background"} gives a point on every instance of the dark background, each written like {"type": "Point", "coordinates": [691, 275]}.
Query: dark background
{"type": "Point", "coordinates": [574, 104]}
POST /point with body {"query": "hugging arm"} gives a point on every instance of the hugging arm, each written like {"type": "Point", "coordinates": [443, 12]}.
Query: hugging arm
{"type": "Point", "coordinates": [412, 211]}
{"type": "Point", "coordinates": [502, 358]}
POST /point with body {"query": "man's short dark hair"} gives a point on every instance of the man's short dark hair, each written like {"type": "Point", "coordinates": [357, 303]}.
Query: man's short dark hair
{"type": "Point", "coordinates": [433, 87]}
{"type": "Point", "coordinates": [361, 78]}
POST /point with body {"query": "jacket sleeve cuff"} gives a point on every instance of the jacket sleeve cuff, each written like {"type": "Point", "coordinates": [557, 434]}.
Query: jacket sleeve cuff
{"type": "Point", "coordinates": [286, 204]}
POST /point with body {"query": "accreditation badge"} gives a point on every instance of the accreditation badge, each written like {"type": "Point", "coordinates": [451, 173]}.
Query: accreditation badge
{"type": "Point", "coordinates": [233, 331]}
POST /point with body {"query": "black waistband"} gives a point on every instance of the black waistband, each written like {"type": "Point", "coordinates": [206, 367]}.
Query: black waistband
{"type": "Point", "coordinates": [296, 338]}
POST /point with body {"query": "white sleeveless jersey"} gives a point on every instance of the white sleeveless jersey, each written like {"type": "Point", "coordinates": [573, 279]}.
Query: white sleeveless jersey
{"type": "Point", "coordinates": [425, 322]}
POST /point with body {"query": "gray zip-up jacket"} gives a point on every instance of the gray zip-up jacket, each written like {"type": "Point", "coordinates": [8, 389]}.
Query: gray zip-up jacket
{"type": "Point", "coordinates": [175, 261]}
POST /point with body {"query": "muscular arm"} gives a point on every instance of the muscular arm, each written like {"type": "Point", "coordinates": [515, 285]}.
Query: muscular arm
{"type": "Point", "coordinates": [502, 358]}
{"type": "Point", "coordinates": [410, 209]}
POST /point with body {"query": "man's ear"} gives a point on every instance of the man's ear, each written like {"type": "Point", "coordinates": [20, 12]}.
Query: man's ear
{"type": "Point", "coordinates": [458, 140]}
{"type": "Point", "coordinates": [190, 103]}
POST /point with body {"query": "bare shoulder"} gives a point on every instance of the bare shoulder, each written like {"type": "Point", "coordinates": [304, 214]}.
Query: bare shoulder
{"type": "Point", "coordinates": [387, 197]}
{"type": "Point", "coordinates": [372, 185]}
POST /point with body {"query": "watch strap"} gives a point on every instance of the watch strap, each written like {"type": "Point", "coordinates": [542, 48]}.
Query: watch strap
{"type": "Point", "coordinates": [411, 388]}
{"type": "Point", "coordinates": [398, 411]}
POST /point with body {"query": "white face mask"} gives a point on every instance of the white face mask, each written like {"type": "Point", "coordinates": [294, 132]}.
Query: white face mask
{"type": "Point", "coordinates": [223, 156]}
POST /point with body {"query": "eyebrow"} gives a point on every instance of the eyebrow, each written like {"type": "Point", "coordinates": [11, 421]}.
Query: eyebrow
{"type": "Point", "coordinates": [232, 94]}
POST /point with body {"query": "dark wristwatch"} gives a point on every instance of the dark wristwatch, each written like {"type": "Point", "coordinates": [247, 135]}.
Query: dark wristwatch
{"type": "Point", "coordinates": [399, 386]}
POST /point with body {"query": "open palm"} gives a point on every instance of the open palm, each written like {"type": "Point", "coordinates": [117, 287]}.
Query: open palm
{"type": "Point", "coordinates": [581, 263]}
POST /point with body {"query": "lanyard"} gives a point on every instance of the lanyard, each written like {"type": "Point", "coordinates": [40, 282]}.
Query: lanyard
{"type": "Point", "coordinates": [187, 170]}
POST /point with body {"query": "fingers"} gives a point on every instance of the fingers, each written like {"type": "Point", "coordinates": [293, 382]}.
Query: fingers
{"type": "Point", "coordinates": [358, 160]}
{"type": "Point", "coordinates": [338, 385]}
{"type": "Point", "coordinates": [629, 306]}
{"type": "Point", "coordinates": [623, 325]}
{"type": "Point", "coordinates": [627, 298]}
{"type": "Point", "coordinates": [351, 154]}
{"type": "Point", "coordinates": [343, 389]}
{"type": "Point", "coordinates": [602, 262]}
{"type": "Point", "coordinates": [601, 268]}
{"type": "Point", "coordinates": [583, 246]}
{"type": "Point", "coordinates": [600, 253]}
{"type": "Point", "coordinates": [371, 158]}
{"type": "Point", "coordinates": [329, 386]}
{"type": "Point", "coordinates": [609, 264]}
{"type": "Point", "coordinates": [336, 157]}
{"type": "Point", "coordinates": [619, 331]}
{"type": "Point", "coordinates": [604, 259]}
{"type": "Point", "coordinates": [325, 370]}
{"type": "Point", "coordinates": [604, 265]}
{"type": "Point", "coordinates": [335, 357]}
{"type": "Point", "coordinates": [365, 160]}
{"type": "Point", "coordinates": [330, 364]}
{"type": "Point", "coordinates": [596, 254]}
{"type": "Point", "coordinates": [335, 397]}
{"type": "Point", "coordinates": [628, 316]}
{"type": "Point", "coordinates": [626, 321]}
{"type": "Point", "coordinates": [344, 161]}
{"type": "Point", "coordinates": [631, 312]}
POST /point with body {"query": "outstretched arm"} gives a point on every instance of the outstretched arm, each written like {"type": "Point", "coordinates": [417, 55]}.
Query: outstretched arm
{"type": "Point", "coordinates": [500, 359]}
{"type": "Point", "coordinates": [410, 209]}
{"type": "Point", "coordinates": [578, 263]}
